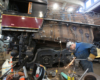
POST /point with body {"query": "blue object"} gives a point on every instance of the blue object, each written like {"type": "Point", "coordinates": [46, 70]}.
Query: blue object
{"type": "Point", "coordinates": [83, 51]}
{"type": "Point", "coordinates": [64, 75]}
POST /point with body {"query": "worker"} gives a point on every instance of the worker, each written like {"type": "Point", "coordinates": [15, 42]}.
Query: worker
{"type": "Point", "coordinates": [83, 51]}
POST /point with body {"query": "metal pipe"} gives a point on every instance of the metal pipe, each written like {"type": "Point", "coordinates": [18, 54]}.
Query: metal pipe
{"type": "Point", "coordinates": [25, 73]}
{"type": "Point", "coordinates": [81, 59]}
{"type": "Point", "coordinates": [84, 73]}
{"type": "Point", "coordinates": [87, 59]}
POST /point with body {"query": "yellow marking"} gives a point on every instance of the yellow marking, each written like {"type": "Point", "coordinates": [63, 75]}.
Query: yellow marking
{"type": "Point", "coordinates": [74, 72]}
{"type": "Point", "coordinates": [44, 68]}
{"type": "Point", "coordinates": [19, 27]}
{"type": "Point", "coordinates": [72, 54]}
{"type": "Point", "coordinates": [22, 16]}
{"type": "Point", "coordinates": [56, 71]}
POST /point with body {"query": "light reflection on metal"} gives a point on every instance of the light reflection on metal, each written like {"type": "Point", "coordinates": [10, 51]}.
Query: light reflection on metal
{"type": "Point", "coordinates": [0, 35]}
{"type": "Point", "coordinates": [40, 14]}
{"type": "Point", "coordinates": [23, 18]}
{"type": "Point", "coordinates": [36, 20]}
{"type": "Point", "coordinates": [8, 38]}
{"type": "Point", "coordinates": [12, 24]}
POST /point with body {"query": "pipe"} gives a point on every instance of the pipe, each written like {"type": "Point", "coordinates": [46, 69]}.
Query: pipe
{"type": "Point", "coordinates": [84, 74]}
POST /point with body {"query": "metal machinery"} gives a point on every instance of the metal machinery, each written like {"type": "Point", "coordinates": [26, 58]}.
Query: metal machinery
{"type": "Point", "coordinates": [35, 31]}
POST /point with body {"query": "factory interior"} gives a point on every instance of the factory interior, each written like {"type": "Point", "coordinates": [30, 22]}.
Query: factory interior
{"type": "Point", "coordinates": [49, 40]}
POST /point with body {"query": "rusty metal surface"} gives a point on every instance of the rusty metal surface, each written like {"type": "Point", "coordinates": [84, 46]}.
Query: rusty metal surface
{"type": "Point", "coordinates": [54, 31]}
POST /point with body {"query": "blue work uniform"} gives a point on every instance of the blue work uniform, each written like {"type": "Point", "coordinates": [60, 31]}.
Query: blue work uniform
{"type": "Point", "coordinates": [83, 51]}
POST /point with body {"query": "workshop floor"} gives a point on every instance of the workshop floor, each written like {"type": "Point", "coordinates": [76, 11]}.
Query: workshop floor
{"type": "Point", "coordinates": [96, 68]}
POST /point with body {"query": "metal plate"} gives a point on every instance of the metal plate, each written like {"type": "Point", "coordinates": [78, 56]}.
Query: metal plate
{"type": "Point", "coordinates": [81, 31]}
{"type": "Point", "coordinates": [87, 35]}
{"type": "Point", "coordinates": [74, 28]}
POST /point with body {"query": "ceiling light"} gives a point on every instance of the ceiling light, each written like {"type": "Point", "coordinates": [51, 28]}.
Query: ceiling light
{"type": "Point", "coordinates": [55, 6]}
{"type": "Point", "coordinates": [70, 9]}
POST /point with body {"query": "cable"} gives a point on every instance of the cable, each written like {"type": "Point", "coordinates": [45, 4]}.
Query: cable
{"type": "Point", "coordinates": [60, 53]}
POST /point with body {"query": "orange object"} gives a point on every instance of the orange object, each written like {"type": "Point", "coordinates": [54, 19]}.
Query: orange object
{"type": "Point", "coordinates": [41, 65]}
{"type": "Point", "coordinates": [11, 63]}
{"type": "Point", "coordinates": [69, 71]}
{"type": "Point", "coordinates": [30, 8]}
{"type": "Point", "coordinates": [21, 73]}
{"type": "Point", "coordinates": [70, 63]}
{"type": "Point", "coordinates": [22, 78]}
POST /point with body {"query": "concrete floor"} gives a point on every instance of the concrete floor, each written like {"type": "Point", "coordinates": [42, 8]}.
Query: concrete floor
{"type": "Point", "coordinates": [96, 68]}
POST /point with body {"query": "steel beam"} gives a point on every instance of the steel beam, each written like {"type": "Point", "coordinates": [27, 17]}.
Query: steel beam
{"type": "Point", "coordinates": [91, 25]}
{"type": "Point", "coordinates": [77, 2]}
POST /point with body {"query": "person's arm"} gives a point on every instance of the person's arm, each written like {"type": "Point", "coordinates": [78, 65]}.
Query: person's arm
{"type": "Point", "coordinates": [93, 53]}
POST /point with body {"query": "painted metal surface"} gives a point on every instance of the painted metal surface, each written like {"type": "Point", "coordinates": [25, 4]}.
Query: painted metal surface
{"type": "Point", "coordinates": [21, 21]}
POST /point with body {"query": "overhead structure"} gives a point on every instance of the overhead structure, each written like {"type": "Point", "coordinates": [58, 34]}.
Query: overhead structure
{"type": "Point", "coordinates": [93, 6]}
{"type": "Point", "coordinates": [77, 2]}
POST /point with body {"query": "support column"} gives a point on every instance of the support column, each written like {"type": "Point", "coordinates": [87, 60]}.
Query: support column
{"type": "Point", "coordinates": [0, 22]}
